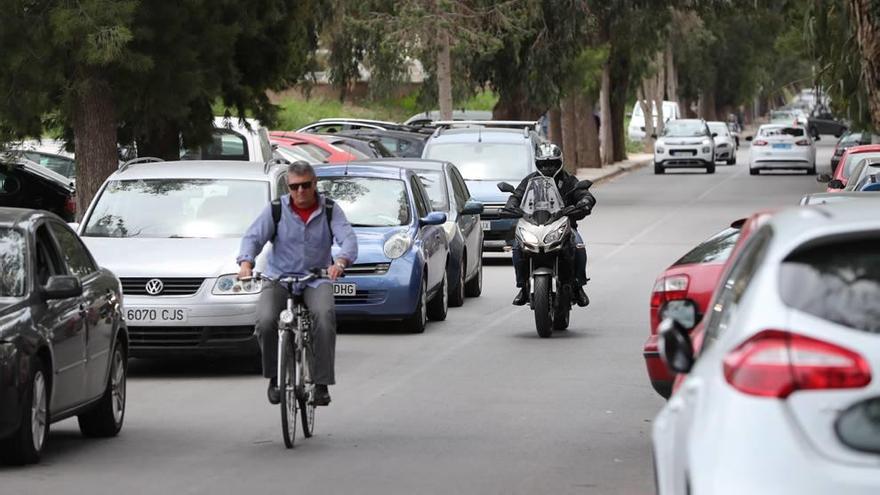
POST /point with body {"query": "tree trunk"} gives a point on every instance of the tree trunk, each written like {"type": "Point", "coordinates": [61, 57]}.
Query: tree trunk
{"type": "Point", "coordinates": [645, 101]}
{"type": "Point", "coordinates": [161, 141]}
{"type": "Point", "coordinates": [671, 75]}
{"type": "Point", "coordinates": [588, 132]}
{"type": "Point", "coordinates": [569, 133]}
{"type": "Point", "coordinates": [94, 134]}
{"type": "Point", "coordinates": [867, 20]}
{"type": "Point", "coordinates": [444, 75]}
{"type": "Point", "coordinates": [620, 81]}
{"type": "Point", "coordinates": [606, 137]}
{"type": "Point", "coordinates": [707, 105]}
{"type": "Point", "coordinates": [515, 104]}
{"type": "Point", "coordinates": [555, 127]}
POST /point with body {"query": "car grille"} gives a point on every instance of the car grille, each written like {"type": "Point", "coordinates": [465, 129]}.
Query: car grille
{"type": "Point", "coordinates": [683, 162]}
{"type": "Point", "coordinates": [186, 336]}
{"type": "Point", "coordinates": [362, 297]}
{"type": "Point", "coordinates": [368, 269]}
{"type": "Point", "coordinates": [491, 211]}
{"type": "Point", "coordinates": [171, 286]}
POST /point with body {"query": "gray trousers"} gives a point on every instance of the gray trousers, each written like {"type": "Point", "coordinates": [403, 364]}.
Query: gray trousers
{"type": "Point", "coordinates": [319, 300]}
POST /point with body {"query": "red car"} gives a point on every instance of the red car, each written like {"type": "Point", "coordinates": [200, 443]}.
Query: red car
{"type": "Point", "coordinates": [309, 147]}
{"type": "Point", "coordinates": [848, 161]}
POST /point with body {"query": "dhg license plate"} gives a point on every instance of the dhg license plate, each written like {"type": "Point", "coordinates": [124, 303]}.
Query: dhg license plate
{"type": "Point", "coordinates": [344, 290]}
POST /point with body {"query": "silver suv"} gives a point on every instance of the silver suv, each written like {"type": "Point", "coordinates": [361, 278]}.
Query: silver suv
{"type": "Point", "coordinates": [171, 231]}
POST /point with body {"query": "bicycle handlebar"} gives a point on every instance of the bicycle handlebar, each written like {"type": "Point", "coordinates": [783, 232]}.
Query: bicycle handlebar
{"type": "Point", "coordinates": [304, 279]}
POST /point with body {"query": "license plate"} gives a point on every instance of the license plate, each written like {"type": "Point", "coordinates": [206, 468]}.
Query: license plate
{"type": "Point", "coordinates": [683, 153]}
{"type": "Point", "coordinates": [344, 290]}
{"type": "Point", "coordinates": [781, 146]}
{"type": "Point", "coordinates": [486, 224]}
{"type": "Point", "coordinates": [155, 315]}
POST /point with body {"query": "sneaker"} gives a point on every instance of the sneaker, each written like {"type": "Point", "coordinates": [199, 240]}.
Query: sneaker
{"type": "Point", "coordinates": [521, 299]}
{"type": "Point", "coordinates": [273, 393]}
{"type": "Point", "coordinates": [581, 298]}
{"type": "Point", "coordinates": [322, 395]}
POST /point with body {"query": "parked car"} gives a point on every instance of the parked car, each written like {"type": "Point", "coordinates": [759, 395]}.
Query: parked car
{"type": "Point", "coordinates": [848, 140]}
{"type": "Point", "coordinates": [783, 380]}
{"type": "Point", "coordinates": [836, 197]}
{"type": "Point", "coordinates": [400, 143]}
{"type": "Point", "coordinates": [234, 139]}
{"type": "Point", "coordinates": [686, 285]}
{"type": "Point", "coordinates": [427, 118]}
{"type": "Point", "coordinates": [636, 129]}
{"type": "Point", "coordinates": [50, 153]}
{"type": "Point", "coordinates": [363, 148]}
{"type": "Point", "coordinates": [25, 184]}
{"type": "Point", "coordinates": [684, 143]}
{"type": "Point", "coordinates": [449, 194]}
{"type": "Point", "coordinates": [170, 231]}
{"type": "Point", "coordinates": [725, 143]}
{"type": "Point", "coordinates": [293, 146]}
{"type": "Point", "coordinates": [403, 252]}
{"type": "Point", "coordinates": [863, 174]}
{"type": "Point", "coordinates": [63, 343]}
{"type": "Point", "coordinates": [333, 125]}
{"type": "Point", "coordinates": [782, 147]}
{"type": "Point", "coordinates": [821, 121]}
{"type": "Point", "coordinates": [487, 155]}
{"type": "Point", "coordinates": [848, 161]}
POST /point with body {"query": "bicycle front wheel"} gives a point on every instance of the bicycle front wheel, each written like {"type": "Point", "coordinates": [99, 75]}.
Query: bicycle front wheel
{"type": "Point", "coordinates": [287, 387]}
{"type": "Point", "coordinates": [307, 397]}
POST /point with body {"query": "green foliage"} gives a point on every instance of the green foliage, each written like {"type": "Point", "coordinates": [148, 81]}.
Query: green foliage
{"type": "Point", "coordinates": [297, 112]}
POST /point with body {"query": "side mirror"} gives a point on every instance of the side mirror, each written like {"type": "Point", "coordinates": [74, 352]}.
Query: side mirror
{"type": "Point", "coordinates": [505, 187]}
{"type": "Point", "coordinates": [749, 138]}
{"type": "Point", "coordinates": [823, 178]}
{"type": "Point", "coordinates": [676, 348]}
{"type": "Point", "coordinates": [682, 312]}
{"type": "Point", "coordinates": [836, 184]}
{"type": "Point", "coordinates": [433, 218]}
{"type": "Point", "coordinates": [472, 208]}
{"type": "Point", "coordinates": [584, 184]}
{"type": "Point", "coordinates": [714, 134]}
{"type": "Point", "coordinates": [62, 287]}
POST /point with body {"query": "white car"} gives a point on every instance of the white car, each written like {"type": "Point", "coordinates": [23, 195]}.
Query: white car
{"type": "Point", "coordinates": [782, 398]}
{"type": "Point", "coordinates": [725, 142]}
{"type": "Point", "coordinates": [636, 130]}
{"type": "Point", "coordinates": [685, 143]}
{"type": "Point", "coordinates": [233, 140]}
{"type": "Point", "coordinates": [782, 147]}
{"type": "Point", "coordinates": [789, 116]}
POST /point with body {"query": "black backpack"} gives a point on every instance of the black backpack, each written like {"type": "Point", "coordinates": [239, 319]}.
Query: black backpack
{"type": "Point", "coordinates": [276, 216]}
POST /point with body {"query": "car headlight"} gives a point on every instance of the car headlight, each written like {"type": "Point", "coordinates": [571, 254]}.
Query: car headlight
{"type": "Point", "coordinates": [526, 236]}
{"type": "Point", "coordinates": [659, 150]}
{"type": "Point", "coordinates": [449, 227]}
{"type": "Point", "coordinates": [397, 245]}
{"type": "Point", "coordinates": [556, 235]}
{"type": "Point", "coordinates": [707, 142]}
{"type": "Point", "coordinates": [230, 285]}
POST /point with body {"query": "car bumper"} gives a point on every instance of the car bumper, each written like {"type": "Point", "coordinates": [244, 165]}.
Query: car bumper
{"type": "Point", "coordinates": [784, 164]}
{"type": "Point", "coordinates": [389, 296]}
{"type": "Point", "coordinates": [723, 154]}
{"type": "Point", "coordinates": [660, 376]}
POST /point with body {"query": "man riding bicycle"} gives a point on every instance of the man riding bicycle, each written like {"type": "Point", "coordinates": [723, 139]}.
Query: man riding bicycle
{"type": "Point", "coordinates": [302, 228]}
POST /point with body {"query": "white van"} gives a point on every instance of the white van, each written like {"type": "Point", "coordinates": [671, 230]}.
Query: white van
{"type": "Point", "coordinates": [636, 130]}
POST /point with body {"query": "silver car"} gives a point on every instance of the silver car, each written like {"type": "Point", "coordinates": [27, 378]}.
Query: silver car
{"type": "Point", "coordinates": [782, 398]}
{"type": "Point", "coordinates": [171, 232]}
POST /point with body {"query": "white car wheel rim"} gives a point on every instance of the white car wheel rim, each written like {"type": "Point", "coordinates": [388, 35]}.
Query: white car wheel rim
{"type": "Point", "coordinates": [117, 387]}
{"type": "Point", "coordinates": [38, 411]}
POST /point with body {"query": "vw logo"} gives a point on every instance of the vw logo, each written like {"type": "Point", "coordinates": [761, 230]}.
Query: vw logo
{"type": "Point", "coordinates": [155, 287]}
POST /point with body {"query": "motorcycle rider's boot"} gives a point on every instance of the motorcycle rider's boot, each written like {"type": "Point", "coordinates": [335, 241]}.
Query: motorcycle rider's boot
{"type": "Point", "coordinates": [521, 298]}
{"type": "Point", "coordinates": [272, 392]}
{"type": "Point", "coordinates": [580, 297]}
{"type": "Point", "coordinates": [322, 395]}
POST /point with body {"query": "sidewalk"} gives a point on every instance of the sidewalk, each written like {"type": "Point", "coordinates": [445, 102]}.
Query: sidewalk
{"type": "Point", "coordinates": [635, 161]}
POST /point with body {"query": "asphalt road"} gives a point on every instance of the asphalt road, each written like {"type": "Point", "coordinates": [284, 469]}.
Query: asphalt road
{"type": "Point", "coordinates": [477, 404]}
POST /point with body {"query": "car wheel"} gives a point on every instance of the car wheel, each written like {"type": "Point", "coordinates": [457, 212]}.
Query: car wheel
{"type": "Point", "coordinates": [754, 171]}
{"type": "Point", "coordinates": [474, 286]}
{"type": "Point", "coordinates": [811, 171]}
{"type": "Point", "coordinates": [732, 161]}
{"type": "Point", "coordinates": [710, 169]}
{"type": "Point", "coordinates": [438, 306]}
{"type": "Point", "coordinates": [456, 293]}
{"type": "Point", "coordinates": [105, 419]}
{"type": "Point", "coordinates": [26, 445]}
{"type": "Point", "coordinates": [658, 169]}
{"type": "Point", "coordinates": [419, 319]}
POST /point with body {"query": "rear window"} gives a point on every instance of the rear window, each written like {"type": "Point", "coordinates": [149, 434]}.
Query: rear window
{"type": "Point", "coordinates": [715, 250]}
{"type": "Point", "coordinates": [782, 131]}
{"type": "Point", "coordinates": [838, 281]}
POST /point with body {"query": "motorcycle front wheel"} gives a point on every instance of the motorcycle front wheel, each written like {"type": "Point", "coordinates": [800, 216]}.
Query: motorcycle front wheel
{"type": "Point", "coordinates": [543, 307]}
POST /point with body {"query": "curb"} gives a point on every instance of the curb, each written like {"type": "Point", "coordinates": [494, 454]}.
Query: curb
{"type": "Point", "coordinates": [614, 170]}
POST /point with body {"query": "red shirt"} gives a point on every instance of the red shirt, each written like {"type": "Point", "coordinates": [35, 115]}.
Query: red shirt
{"type": "Point", "coordinates": [304, 213]}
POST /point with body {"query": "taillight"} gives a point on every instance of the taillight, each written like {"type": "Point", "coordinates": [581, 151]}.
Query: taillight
{"type": "Point", "coordinates": [776, 363]}
{"type": "Point", "coordinates": [70, 205]}
{"type": "Point", "coordinates": [669, 289]}
{"type": "Point", "coordinates": [759, 142]}
{"type": "Point", "coordinates": [803, 142]}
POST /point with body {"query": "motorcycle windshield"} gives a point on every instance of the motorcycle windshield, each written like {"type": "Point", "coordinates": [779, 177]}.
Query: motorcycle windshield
{"type": "Point", "coordinates": [541, 198]}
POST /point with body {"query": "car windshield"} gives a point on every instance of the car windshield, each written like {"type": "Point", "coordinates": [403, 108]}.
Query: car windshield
{"type": "Point", "coordinates": [368, 201]}
{"type": "Point", "coordinates": [781, 131]}
{"type": "Point", "coordinates": [853, 159]}
{"type": "Point", "coordinates": [715, 250]}
{"type": "Point", "coordinates": [541, 195]}
{"type": "Point", "coordinates": [778, 115]}
{"type": "Point", "coordinates": [59, 164]}
{"type": "Point", "coordinates": [435, 183]}
{"type": "Point", "coordinates": [719, 128]}
{"type": "Point", "coordinates": [12, 259]}
{"type": "Point", "coordinates": [484, 161]}
{"type": "Point", "coordinates": [177, 208]}
{"type": "Point", "coordinates": [684, 128]}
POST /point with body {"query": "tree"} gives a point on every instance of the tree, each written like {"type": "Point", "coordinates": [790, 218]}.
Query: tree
{"type": "Point", "coordinates": [866, 14]}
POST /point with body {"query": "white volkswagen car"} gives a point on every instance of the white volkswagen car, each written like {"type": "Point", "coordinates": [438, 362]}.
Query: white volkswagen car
{"type": "Point", "coordinates": [784, 396]}
{"type": "Point", "coordinates": [782, 147]}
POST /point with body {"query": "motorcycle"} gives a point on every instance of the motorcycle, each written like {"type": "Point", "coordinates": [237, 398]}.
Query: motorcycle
{"type": "Point", "coordinates": [544, 233]}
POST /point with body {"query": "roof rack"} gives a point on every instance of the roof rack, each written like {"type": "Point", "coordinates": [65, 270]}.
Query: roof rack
{"type": "Point", "coordinates": [525, 125]}
{"type": "Point", "coordinates": [351, 119]}
{"type": "Point", "coordinates": [143, 159]}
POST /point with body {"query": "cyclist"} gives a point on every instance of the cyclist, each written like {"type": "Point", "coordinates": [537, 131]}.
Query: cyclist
{"type": "Point", "coordinates": [302, 228]}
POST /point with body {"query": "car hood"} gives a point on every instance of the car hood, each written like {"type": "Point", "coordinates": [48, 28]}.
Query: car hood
{"type": "Point", "coordinates": [132, 257]}
{"type": "Point", "coordinates": [681, 141]}
{"type": "Point", "coordinates": [486, 191]}
{"type": "Point", "coordinates": [371, 243]}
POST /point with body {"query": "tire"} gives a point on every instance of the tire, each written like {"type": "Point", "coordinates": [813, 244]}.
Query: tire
{"type": "Point", "coordinates": [732, 161]}
{"type": "Point", "coordinates": [542, 307]}
{"type": "Point", "coordinates": [105, 419]}
{"type": "Point", "coordinates": [456, 292]}
{"type": "Point", "coordinates": [419, 319]}
{"type": "Point", "coordinates": [25, 446]}
{"type": "Point", "coordinates": [754, 171]}
{"type": "Point", "coordinates": [658, 169]}
{"type": "Point", "coordinates": [710, 169]}
{"type": "Point", "coordinates": [287, 387]}
{"type": "Point", "coordinates": [811, 171]}
{"type": "Point", "coordinates": [306, 397]}
{"type": "Point", "coordinates": [438, 306]}
{"type": "Point", "coordinates": [474, 286]}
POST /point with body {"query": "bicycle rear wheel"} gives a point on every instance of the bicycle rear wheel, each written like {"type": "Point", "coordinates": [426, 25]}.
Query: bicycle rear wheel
{"type": "Point", "coordinates": [287, 386]}
{"type": "Point", "coordinates": [307, 397]}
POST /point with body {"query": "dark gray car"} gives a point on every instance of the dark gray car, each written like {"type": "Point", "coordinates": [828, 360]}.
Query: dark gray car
{"type": "Point", "coordinates": [63, 344]}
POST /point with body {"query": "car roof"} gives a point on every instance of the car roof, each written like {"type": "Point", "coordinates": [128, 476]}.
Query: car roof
{"type": "Point", "coordinates": [839, 197]}
{"type": "Point", "coordinates": [194, 169]}
{"type": "Point", "coordinates": [793, 227]}
{"type": "Point", "coordinates": [408, 163]}
{"type": "Point", "coordinates": [480, 134]}
{"type": "Point", "coordinates": [362, 169]}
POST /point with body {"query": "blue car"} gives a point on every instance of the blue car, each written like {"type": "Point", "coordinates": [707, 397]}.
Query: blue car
{"type": "Point", "coordinates": [403, 252]}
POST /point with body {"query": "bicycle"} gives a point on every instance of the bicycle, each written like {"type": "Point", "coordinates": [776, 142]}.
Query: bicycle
{"type": "Point", "coordinates": [295, 357]}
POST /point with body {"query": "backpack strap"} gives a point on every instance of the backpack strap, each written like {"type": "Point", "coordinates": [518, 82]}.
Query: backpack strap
{"type": "Point", "coordinates": [276, 217]}
{"type": "Point", "coordinates": [328, 212]}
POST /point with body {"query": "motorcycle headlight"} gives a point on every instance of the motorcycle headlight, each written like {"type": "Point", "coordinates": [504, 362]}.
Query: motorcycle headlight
{"type": "Point", "coordinates": [557, 234]}
{"type": "Point", "coordinates": [397, 245]}
{"type": "Point", "coordinates": [449, 227]}
{"type": "Point", "coordinates": [230, 285]}
{"type": "Point", "coordinates": [526, 236]}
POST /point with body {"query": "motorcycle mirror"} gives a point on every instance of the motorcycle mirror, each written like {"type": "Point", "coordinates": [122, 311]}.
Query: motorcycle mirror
{"type": "Point", "coordinates": [584, 184]}
{"type": "Point", "coordinates": [505, 187]}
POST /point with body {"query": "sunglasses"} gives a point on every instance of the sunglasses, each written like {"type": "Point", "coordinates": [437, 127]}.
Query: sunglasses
{"type": "Point", "coordinates": [295, 186]}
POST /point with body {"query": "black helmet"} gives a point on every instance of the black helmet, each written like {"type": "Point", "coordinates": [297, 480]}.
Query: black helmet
{"type": "Point", "coordinates": [548, 159]}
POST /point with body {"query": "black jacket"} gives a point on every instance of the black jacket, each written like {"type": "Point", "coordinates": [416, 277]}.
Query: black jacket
{"type": "Point", "coordinates": [582, 198]}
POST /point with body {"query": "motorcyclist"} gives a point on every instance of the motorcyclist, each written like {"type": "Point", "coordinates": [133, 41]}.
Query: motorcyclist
{"type": "Point", "coordinates": [548, 160]}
